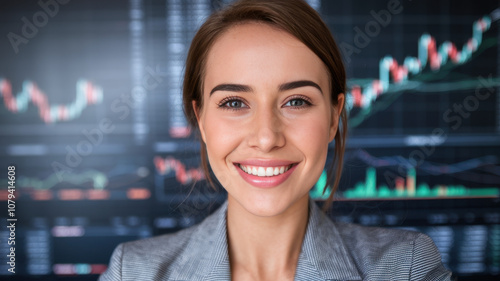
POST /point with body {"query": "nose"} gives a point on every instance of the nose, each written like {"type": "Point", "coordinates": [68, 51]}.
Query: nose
{"type": "Point", "coordinates": [267, 131]}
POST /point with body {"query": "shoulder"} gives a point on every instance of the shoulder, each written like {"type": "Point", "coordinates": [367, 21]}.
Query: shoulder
{"type": "Point", "coordinates": [147, 259]}
{"type": "Point", "coordinates": [166, 246]}
{"type": "Point", "coordinates": [384, 253]}
{"type": "Point", "coordinates": [175, 255]}
{"type": "Point", "coordinates": [379, 238]}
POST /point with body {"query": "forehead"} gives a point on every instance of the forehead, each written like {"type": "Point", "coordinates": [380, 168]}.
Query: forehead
{"type": "Point", "coordinates": [258, 53]}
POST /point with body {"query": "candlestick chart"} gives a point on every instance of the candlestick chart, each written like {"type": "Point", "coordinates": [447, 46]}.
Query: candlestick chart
{"type": "Point", "coordinates": [430, 72]}
{"type": "Point", "coordinates": [86, 94]}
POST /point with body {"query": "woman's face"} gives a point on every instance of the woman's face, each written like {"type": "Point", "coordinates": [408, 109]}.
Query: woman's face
{"type": "Point", "coordinates": [267, 117]}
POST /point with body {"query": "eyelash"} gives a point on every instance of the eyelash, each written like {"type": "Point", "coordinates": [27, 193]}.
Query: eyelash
{"type": "Point", "coordinates": [224, 102]}
{"type": "Point", "coordinates": [307, 101]}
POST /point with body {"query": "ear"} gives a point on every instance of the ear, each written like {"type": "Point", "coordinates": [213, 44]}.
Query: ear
{"type": "Point", "coordinates": [336, 110]}
{"type": "Point", "coordinates": [196, 110]}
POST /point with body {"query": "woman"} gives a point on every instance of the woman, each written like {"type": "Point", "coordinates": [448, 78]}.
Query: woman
{"type": "Point", "coordinates": [265, 85]}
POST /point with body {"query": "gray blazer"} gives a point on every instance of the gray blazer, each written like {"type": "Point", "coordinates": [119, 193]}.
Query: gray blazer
{"type": "Point", "coordinates": [330, 251]}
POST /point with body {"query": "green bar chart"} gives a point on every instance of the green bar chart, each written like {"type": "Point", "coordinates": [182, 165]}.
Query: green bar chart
{"type": "Point", "coordinates": [402, 188]}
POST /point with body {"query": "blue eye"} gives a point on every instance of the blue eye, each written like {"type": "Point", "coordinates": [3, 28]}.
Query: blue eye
{"type": "Point", "coordinates": [298, 102]}
{"type": "Point", "coordinates": [232, 103]}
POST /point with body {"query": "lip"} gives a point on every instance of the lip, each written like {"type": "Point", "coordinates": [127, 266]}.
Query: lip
{"type": "Point", "coordinates": [265, 162]}
{"type": "Point", "coordinates": [265, 182]}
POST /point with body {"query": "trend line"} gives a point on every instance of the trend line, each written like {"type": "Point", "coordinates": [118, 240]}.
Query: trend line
{"type": "Point", "coordinates": [486, 163]}
{"type": "Point", "coordinates": [86, 94]}
{"type": "Point", "coordinates": [428, 54]}
{"type": "Point", "coordinates": [488, 171]}
{"type": "Point", "coordinates": [169, 164]}
{"type": "Point", "coordinates": [98, 179]}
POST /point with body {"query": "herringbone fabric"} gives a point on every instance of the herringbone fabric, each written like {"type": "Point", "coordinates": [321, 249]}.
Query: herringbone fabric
{"type": "Point", "coordinates": [330, 251]}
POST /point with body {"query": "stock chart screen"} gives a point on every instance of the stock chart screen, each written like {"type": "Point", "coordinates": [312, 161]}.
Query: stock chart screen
{"type": "Point", "coordinates": [95, 149]}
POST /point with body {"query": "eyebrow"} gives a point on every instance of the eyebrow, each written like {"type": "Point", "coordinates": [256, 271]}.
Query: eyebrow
{"type": "Point", "coordinates": [231, 88]}
{"type": "Point", "coordinates": [283, 87]}
{"type": "Point", "coordinates": [298, 84]}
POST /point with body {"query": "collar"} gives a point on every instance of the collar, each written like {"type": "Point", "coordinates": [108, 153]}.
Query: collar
{"type": "Point", "coordinates": [323, 255]}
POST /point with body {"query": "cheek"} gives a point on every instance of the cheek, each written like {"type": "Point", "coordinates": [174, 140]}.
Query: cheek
{"type": "Point", "coordinates": [222, 136]}
{"type": "Point", "coordinates": [311, 136]}
{"type": "Point", "coordinates": [311, 132]}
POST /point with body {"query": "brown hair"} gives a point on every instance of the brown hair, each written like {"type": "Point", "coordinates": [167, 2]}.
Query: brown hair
{"type": "Point", "coordinates": [293, 16]}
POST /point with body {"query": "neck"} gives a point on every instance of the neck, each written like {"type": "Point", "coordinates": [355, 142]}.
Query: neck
{"type": "Point", "coordinates": [266, 247]}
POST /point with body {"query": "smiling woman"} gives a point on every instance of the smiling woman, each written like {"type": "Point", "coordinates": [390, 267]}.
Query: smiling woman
{"type": "Point", "coordinates": [264, 85]}
{"type": "Point", "coordinates": [266, 112]}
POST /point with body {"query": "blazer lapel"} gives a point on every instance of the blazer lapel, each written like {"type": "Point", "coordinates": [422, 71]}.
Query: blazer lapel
{"type": "Point", "coordinates": [323, 255]}
{"type": "Point", "coordinates": [206, 256]}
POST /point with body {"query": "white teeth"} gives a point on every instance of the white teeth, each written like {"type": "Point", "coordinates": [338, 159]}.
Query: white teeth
{"type": "Point", "coordinates": [254, 171]}
{"type": "Point", "coordinates": [276, 171]}
{"type": "Point", "coordinates": [269, 171]}
{"type": "Point", "coordinates": [264, 171]}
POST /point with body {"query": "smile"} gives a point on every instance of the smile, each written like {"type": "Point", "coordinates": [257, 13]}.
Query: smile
{"type": "Point", "coordinates": [264, 171]}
